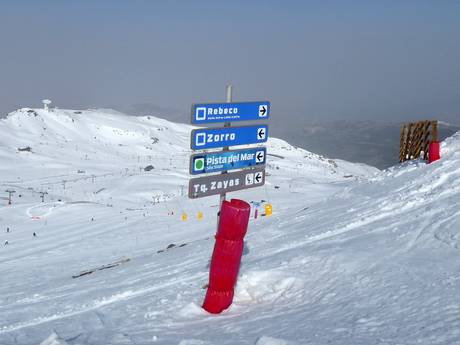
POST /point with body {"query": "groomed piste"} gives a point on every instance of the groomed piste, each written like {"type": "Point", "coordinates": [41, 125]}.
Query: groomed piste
{"type": "Point", "coordinates": [351, 254]}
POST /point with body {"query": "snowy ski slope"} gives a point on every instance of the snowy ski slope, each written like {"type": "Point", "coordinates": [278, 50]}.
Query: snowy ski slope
{"type": "Point", "coordinates": [351, 255]}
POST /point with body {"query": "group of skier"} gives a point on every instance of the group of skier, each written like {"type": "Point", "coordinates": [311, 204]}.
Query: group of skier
{"type": "Point", "coordinates": [8, 231]}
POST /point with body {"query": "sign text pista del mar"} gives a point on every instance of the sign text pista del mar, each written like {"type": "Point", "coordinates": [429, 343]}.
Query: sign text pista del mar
{"type": "Point", "coordinates": [227, 160]}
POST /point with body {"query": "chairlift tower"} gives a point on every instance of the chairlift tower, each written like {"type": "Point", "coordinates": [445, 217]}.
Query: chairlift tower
{"type": "Point", "coordinates": [42, 195]}
{"type": "Point", "coordinates": [10, 193]}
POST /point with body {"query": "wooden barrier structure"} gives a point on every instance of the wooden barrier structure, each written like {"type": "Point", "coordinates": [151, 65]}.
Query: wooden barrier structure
{"type": "Point", "coordinates": [416, 138]}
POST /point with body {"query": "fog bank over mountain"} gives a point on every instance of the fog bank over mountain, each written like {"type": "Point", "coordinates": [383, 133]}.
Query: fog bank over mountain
{"type": "Point", "coordinates": [373, 143]}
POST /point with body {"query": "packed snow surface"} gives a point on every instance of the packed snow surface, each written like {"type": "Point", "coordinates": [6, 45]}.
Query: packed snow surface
{"type": "Point", "coordinates": [351, 255]}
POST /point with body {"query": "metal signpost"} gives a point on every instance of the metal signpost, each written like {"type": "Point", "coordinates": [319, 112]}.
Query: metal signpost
{"type": "Point", "coordinates": [205, 163]}
{"type": "Point", "coordinates": [249, 162]}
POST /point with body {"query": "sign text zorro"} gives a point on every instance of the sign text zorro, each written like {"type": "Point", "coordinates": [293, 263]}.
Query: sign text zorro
{"type": "Point", "coordinates": [230, 112]}
{"type": "Point", "coordinates": [223, 183]}
{"type": "Point", "coordinates": [227, 160]}
{"type": "Point", "coordinates": [208, 138]}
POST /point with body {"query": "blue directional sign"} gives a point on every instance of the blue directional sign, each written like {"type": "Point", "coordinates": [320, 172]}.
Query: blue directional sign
{"type": "Point", "coordinates": [227, 160]}
{"type": "Point", "coordinates": [229, 112]}
{"type": "Point", "coordinates": [208, 138]}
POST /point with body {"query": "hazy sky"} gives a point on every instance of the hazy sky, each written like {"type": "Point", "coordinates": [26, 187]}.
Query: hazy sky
{"type": "Point", "coordinates": [313, 59]}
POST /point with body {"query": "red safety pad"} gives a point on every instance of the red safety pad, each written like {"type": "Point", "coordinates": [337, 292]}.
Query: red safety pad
{"type": "Point", "coordinates": [226, 257]}
{"type": "Point", "coordinates": [434, 152]}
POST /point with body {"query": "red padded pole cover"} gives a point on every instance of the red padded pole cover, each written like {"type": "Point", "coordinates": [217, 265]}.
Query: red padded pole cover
{"type": "Point", "coordinates": [226, 257]}
{"type": "Point", "coordinates": [434, 152]}
{"type": "Point", "coordinates": [234, 218]}
{"type": "Point", "coordinates": [225, 264]}
{"type": "Point", "coordinates": [217, 301]}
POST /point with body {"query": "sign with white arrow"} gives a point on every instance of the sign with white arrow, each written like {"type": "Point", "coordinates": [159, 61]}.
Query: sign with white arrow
{"type": "Point", "coordinates": [208, 138]}
{"type": "Point", "coordinates": [223, 183]}
{"type": "Point", "coordinates": [227, 160]}
{"type": "Point", "coordinates": [230, 112]}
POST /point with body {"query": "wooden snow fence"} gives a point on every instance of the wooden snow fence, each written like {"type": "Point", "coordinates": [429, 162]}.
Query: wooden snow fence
{"type": "Point", "coordinates": [416, 138]}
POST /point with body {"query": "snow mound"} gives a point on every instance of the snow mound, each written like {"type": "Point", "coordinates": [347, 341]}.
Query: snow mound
{"type": "Point", "coordinates": [191, 310]}
{"type": "Point", "coordinates": [266, 286]}
{"type": "Point", "coordinates": [54, 339]}
{"type": "Point", "coordinates": [270, 341]}
{"type": "Point", "coordinates": [194, 342]}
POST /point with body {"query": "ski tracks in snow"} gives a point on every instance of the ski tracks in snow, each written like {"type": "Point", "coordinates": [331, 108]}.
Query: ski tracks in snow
{"type": "Point", "coordinates": [43, 210]}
